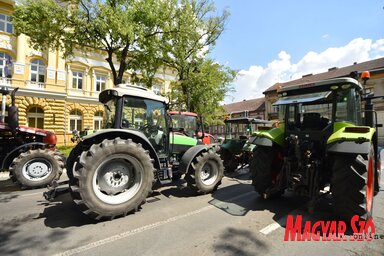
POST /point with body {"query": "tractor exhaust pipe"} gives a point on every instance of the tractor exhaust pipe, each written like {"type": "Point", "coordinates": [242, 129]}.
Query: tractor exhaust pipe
{"type": "Point", "coordinates": [4, 92]}
{"type": "Point", "coordinates": [13, 114]}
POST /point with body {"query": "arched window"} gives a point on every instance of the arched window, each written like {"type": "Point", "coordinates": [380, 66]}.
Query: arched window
{"type": "Point", "coordinates": [75, 120]}
{"type": "Point", "coordinates": [37, 71]}
{"type": "Point", "coordinates": [36, 117]}
{"type": "Point", "coordinates": [98, 120]}
{"type": "Point", "coordinates": [5, 65]}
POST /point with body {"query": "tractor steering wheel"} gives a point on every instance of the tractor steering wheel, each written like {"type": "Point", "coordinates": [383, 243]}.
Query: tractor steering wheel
{"type": "Point", "coordinates": [149, 129]}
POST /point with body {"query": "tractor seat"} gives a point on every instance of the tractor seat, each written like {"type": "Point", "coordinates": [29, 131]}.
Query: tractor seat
{"type": "Point", "coordinates": [312, 121]}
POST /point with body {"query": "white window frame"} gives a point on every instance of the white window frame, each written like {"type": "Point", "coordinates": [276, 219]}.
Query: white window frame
{"type": "Point", "coordinates": [35, 115]}
{"type": "Point", "coordinates": [4, 58]}
{"type": "Point", "coordinates": [78, 118]}
{"type": "Point", "coordinates": [98, 120]}
{"type": "Point", "coordinates": [5, 21]}
{"type": "Point", "coordinates": [76, 77]}
{"type": "Point", "coordinates": [99, 81]}
{"type": "Point", "coordinates": [39, 72]}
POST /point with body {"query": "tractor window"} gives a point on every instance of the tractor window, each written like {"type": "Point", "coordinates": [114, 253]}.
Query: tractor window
{"type": "Point", "coordinates": [109, 113]}
{"type": "Point", "coordinates": [315, 115]}
{"type": "Point", "coordinates": [347, 107]}
{"type": "Point", "coordinates": [148, 116]}
{"type": "Point", "coordinates": [189, 123]}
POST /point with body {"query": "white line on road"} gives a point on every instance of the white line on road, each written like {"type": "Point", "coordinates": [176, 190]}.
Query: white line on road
{"type": "Point", "coordinates": [268, 229]}
{"type": "Point", "coordinates": [145, 228]}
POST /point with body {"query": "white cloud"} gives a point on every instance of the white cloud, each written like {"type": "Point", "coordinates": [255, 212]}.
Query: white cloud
{"type": "Point", "coordinates": [251, 83]}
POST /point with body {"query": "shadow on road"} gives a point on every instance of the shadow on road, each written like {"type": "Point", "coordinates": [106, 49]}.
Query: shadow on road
{"type": "Point", "coordinates": [235, 242]}
{"type": "Point", "coordinates": [10, 231]}
{"type": "Point", "coordinates": [62, 212]}
{"type": "Point", "coordinates": [8, 186]}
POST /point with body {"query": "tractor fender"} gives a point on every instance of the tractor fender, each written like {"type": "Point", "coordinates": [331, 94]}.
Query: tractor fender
{"type": "Point", "coordinates": [190, 154]}
{"type": "Point", "coordinates": [135, 136]}
{"type": "Point", "coordinates": [349, 147]}
{"type": "Point", "coordinates": [20, 149]}
{"type": "Point", "coordinates": [267, 138]}
{"type": "Point", "coordinates": [353, 140]}
{"type": "Point", "coordinates": [262, 141]}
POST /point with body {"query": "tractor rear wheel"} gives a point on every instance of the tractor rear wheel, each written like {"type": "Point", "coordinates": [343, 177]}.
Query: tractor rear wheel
{"type": "Point", "coordinates": [260, 167]}
{"type": "Point", "coordinates": [111, 179]}
{"type": "Point", "coordinates": [205, 172]}
{"type": "Point", "coordinates": [352, 185]}
{"type": "Point", "coordinates": [37, 168]}
{"type": "Point", "coordinates": [230, 161]}
{"type": "Point", "coordinates": [265, 165]}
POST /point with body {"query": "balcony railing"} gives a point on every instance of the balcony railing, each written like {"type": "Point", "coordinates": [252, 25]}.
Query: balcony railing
{"type": "Point", "coordinates": [5, 81]}
{"type": "Point", "coordinates": [34, 85]}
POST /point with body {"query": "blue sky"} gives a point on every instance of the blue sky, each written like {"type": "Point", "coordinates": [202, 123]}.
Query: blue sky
{"type": "Point", "coordinates": [275, 41]}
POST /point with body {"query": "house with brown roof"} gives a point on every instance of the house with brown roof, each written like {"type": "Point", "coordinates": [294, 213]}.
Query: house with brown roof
{"type": "Point", "coordinates": [254, 108]}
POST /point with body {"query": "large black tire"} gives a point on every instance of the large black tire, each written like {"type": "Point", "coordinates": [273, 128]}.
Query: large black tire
{"type": "Point", "coordinates": [37, 168]}
{"type": "Point", "coordinates": [229, 160]}
{"type": "Point", "coordinates": [260, 167]}
{"type": "Point", "coordinates": [206, 172]}
{"type": "Point", "coordinates": [352, 185]}
{"type": "Point", "coordinates": [111, 179]}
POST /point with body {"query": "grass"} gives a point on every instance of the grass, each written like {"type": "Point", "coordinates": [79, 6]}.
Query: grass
{"type": "Point", "coordinates": [65, 149]}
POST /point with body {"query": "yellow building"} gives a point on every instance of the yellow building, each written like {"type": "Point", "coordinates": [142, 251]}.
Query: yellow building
{"type": "Point", "coordinates": [57, 94]}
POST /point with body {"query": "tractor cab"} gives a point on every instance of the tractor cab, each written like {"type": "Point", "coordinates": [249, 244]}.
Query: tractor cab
{"type": "Point", "coordinates": [237, 147]}
{"type": "Point", "coordinates": [125, 109]}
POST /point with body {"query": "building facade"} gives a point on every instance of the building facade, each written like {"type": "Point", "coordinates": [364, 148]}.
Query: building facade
{"type": "Point", "coordinates": [55, 93]}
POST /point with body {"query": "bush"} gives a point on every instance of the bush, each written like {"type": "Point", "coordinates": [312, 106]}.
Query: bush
{"type": "Point", "coordinates": [65, 149]}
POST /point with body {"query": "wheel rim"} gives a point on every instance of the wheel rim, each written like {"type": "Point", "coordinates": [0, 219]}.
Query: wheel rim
{"type": "Point", "coordinates": [37, 169]}
{"type": "Point", "coordinates": [118, 179]}
{"type": "Point", "coordinates": [209, 173]}
{"type": "Point", "coordinates": [370, 184]}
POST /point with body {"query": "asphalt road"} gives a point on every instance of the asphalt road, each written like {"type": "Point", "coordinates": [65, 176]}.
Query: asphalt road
{"type": "Point", "coordinates": [232, 221]}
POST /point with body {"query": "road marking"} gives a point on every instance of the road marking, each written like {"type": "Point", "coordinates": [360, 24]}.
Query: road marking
{"type": "Point", "coordinates": [279, 223]}
{"type": "Point", "coordinates": [268, 229]}
{"type": "Point", "coordinates": [145, 228]}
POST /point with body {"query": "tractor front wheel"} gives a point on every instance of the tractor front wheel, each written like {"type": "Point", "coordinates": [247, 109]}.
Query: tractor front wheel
{"type": "Point", "coordinates": [37, 168]}
{"type": "Point", "coordinates": [112, 179]}
{"type": "Point", "coordinates": [352, 185]}
{"type": "Point", "coordinates": [205, 172]}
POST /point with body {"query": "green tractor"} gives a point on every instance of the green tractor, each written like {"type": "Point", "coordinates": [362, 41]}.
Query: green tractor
{"type": "Point", "coordinates": [324, 140]}
{"type": "Point", "coordinates": [187, 132]}
{"type": "Point", "coordinates": [112, 171]}
{"type": "Point", "coordinates": [236, 150]}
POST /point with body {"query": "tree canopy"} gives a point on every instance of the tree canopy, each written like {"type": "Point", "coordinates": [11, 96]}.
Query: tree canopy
{"type": "Point", "coordinates": [139, 36]}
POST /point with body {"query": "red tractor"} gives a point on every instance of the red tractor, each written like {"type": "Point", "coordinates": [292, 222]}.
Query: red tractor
{"type": "Point", "coordinates": [190, 124]}
{"type": "Point", "coordinates": [28, 153]}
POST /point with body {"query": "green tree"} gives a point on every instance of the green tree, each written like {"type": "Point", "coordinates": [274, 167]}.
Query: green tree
{"type": "Point", "coordinates": [209, 85]}
{"type": "Point", "coordinates": [126, 30]}
{"type": "Point", "coordinates": [198, 27]}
